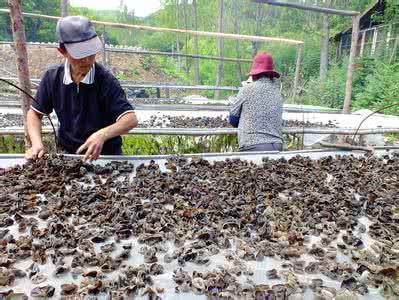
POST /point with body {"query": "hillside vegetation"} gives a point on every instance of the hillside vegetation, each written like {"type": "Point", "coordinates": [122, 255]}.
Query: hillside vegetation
{"type": "Point", "coordinates": [376, 78]}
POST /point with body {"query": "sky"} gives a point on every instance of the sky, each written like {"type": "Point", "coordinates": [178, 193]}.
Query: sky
{"type": "Point", "coordinates": [142, 8]}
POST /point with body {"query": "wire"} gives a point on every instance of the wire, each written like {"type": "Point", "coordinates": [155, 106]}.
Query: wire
{"type": "Point", "coordinates": [33, 99]}
{"type": "Point", "coordinates": [369, 115]}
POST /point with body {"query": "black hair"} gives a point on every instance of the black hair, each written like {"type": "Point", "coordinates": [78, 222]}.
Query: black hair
{"type": "Point", "coordinates": [263, 75]}
{"type": "Point", "coordinates": [62, 46]}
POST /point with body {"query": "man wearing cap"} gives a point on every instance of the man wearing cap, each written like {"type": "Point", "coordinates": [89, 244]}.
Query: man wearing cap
{"type": "Point", "coordinates": [258, 108]}
{"type": "Point", "coordinates": [88, 100]}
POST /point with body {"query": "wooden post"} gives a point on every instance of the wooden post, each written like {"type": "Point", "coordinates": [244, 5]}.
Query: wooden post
{"type": "Point", "coordinates": [393, 54]}
{"type": "Point", "coordinates": [340, 48]}
{"type": "Point", "coordinates": [219, 69]}
{"type": "Point", "coordinates": [388, 38]}
{"type": "Point", "coordinates": [324, 46]}
{"type": "Point", "coordinates": [297, 68]}
{"type": "Point", "coordinates": [64, 8]}
{"type": "Point", "coordinates": [104, 51]}
{"type": "Point", "coordinates": [196, 61]}
{"type": "Point", "coordinates": [354, 14]}
{"type": "Point", "coordinates": [336, 52]}
{"type": "Point", "coordinates": [18, 32]}
{"type": "Point", "coordinates": [315, 8]}
{"type": "Point", "coordinates": [177, 35]}
{"type": "Point", "coordinates": [362, 43]}
{"type": "Point", "coordinates": [374, 45]}
{"type": "Point", "coordinates": [351, 64]}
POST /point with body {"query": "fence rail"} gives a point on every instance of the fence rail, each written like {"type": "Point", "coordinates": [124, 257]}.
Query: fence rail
{"type": "Point", "coordinates": [133, 84]}
{"type": "Point", "coordinates": [375, 41]}
{"type": "Point", "coordinates": [226, 131]}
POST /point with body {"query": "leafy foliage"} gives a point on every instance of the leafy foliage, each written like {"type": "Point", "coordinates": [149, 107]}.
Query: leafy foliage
{"type": "Point", "coordinates": [381, 89]}
{"type": "Point", "coordinates": [391, 12]}
{"type": "Point", "coordinates": [248, 18]}
{"type": "Point", "coordinates": [150, 145]}
{"type": "Point", "coordinates": [331, 93]}
{"type": "Point", "coordinates": [11, 144]}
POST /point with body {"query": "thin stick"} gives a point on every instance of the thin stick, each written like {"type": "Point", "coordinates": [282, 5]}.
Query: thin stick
{"type": "Point", "coordinates": [160, 29]}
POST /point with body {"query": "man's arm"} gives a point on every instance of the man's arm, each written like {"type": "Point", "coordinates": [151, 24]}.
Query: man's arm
{"type": "Point", "coordinates": [34, 126]}
{"type": "Point", "coordinates": [95, 142]}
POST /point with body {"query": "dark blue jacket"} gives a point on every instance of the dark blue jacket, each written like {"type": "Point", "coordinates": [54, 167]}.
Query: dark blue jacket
{"type": "Point", "coordinates": [82, 110]}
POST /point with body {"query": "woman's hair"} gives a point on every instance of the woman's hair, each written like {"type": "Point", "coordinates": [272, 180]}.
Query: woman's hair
{"type": "Point", "coordinates": [62, 46]}
{"type": "Point", "coordinates": [263, 75]}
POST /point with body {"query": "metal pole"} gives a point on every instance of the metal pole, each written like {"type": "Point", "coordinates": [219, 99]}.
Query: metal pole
{"type": "Point", "coordinates": [133, 84]}
{"type": "Point", "coordinates": [174, 54]}
{"type": "Point", "coordinates": [297, 69]}
{"type": "Point", "coordinates": [351, 64]}
{"type": "Point", "coordinates": [230, 131]}
{"type": "Point", "coordinates": [140, 52]}
{"type": "Point", "coordinates": [21, 53]}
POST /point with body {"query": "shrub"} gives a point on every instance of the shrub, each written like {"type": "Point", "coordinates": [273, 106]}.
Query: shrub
{"type": "Point", "coordinates": [331, 93]}
{"type": "Point", "coordinates": [381, 88]}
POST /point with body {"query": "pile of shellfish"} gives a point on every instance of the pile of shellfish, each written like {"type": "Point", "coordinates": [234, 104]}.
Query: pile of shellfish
{"type": "Point", "coordinates": [216, 122]}
{"type": "Point", "coordinates": [229, 229]}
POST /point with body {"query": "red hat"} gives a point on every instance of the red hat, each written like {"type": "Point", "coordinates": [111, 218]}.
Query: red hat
{"type": "Point", "coordinates": [263, 63]}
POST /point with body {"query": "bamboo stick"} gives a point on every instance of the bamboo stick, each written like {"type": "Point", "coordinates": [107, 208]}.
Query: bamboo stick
{"type": "Point", "coordinates": [192, 32]}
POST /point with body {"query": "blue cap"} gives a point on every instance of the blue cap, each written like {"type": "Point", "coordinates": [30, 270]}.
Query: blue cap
{"type": "Point", "coordinates": [79, 37]}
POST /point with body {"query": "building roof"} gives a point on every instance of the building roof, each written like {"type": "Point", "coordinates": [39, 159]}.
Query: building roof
{"type": "Point", "coordinates": [366, 20]}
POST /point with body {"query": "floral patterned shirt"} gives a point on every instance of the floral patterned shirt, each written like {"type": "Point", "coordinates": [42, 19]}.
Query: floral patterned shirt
{"type": "Point", "coordinates": [259, 105]}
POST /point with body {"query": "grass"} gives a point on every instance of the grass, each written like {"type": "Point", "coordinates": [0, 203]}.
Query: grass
{"type": "Point", "coordinates": [155, 145]}
{"type": "Point", "coordinates": [392, 137]}
{"type": "Point", "coordinates": [152, 145]}
{"type": "Point", "coordinates": [11, 144]}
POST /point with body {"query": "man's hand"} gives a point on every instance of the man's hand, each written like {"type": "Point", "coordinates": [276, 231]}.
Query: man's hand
{"type": "Point", "coordinates": [93, 145]}
{"type": "Point", "coordinates": [36, 151]}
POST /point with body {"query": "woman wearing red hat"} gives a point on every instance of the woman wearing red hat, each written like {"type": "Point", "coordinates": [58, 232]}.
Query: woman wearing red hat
{"type": "Point", "coordinates": [258, 108]}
